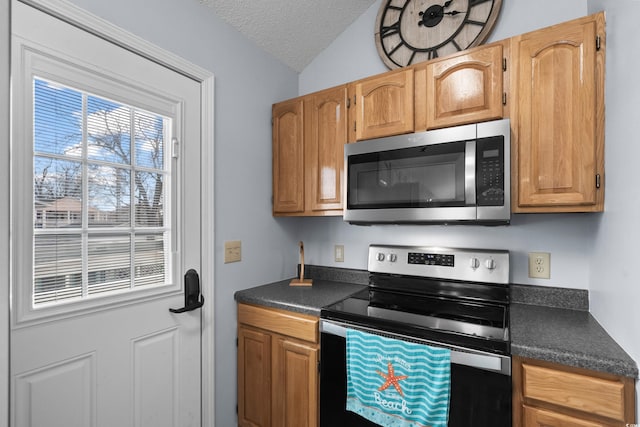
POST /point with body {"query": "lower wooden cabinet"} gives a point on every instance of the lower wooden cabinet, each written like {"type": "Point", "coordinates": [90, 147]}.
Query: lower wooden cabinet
{"type": "Point", "coordinates": [551, 395]}
{"type": "Point", "coordinates": [277, 368]}
{"type": "Point", "coordinates": [544, 418]}
{"type": "Point", "coordinates": [254, 377]}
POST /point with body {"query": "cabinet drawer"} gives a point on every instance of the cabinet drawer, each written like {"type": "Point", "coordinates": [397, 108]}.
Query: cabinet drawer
{"type": "Point", "coordinates": [301, 326]}
{"type": "Point", "coordinates": [571, 390]}
{"type": "Point", "coordinates": [535, 417]}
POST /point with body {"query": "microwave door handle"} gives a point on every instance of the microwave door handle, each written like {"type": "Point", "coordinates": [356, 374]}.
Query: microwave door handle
{"type": "Point", "coordinates": [470, 173]}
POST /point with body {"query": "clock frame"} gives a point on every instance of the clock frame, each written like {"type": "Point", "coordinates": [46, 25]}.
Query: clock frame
{"type": "Point", "coordinates": [412, 31]}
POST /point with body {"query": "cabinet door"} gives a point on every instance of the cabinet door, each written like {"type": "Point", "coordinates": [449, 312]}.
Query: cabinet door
{"type": "Point", "coordinates": [288, 156]}
{"type": "Point", "coordinates": [465, 88]}
{"type": "Point", "coordinates": [535, 417]}
{"type": "Point", "coordinates": [325, 136]}
{"type": "Point", "coordinates": [254, 378]}
{"type": "Point", "coordinates": [295, 387]}
{"type": "Point", "coordinates": [384, 105]}
{"type": "Point", "coordinates": [560, 118]}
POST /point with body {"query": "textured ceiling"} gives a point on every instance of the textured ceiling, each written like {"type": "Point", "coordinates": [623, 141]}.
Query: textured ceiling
{"type": "Point", "coordinates": [294, 31]}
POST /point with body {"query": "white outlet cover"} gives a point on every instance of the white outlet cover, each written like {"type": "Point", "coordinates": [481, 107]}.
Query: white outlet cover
{"type": "Point", "coordinates": [539, 265]}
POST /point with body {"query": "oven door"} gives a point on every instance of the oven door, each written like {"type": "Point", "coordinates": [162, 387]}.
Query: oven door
{"type": "Point", "coordinates": [480, 384]}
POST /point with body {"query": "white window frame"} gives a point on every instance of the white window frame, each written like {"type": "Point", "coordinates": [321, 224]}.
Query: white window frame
{"type": "Point", "coordinates": [68, 72]}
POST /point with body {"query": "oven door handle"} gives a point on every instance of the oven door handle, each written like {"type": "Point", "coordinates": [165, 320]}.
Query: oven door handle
{"type": "Point", "coordinates": [474, 359]}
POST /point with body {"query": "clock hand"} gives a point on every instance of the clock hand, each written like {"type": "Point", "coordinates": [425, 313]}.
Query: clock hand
{"type": "Point", "coordinates": [434, 14]}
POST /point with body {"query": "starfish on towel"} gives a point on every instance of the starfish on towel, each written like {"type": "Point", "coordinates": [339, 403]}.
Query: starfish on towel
{"type": "Point", "coordinates": [391, 379]}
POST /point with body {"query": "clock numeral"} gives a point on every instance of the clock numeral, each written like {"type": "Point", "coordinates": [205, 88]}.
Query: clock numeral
{"type": "Point", "coordinates": [394, 7]}
{"type": "Point", "coordinates": [432, 53]}
{"type": "Point", "coordinates": [395, 49]}
{"type": "Point", "coordinates": [413, 54]}
{"type": "Point", "coordinates": [472, 22]}
{"type": "Point", "coordinates": [398, 46]}
{"type": "Point", "coordinates": [386, 31]}
{"type": "Point", "coordinates": [477, 2]}
{"type": "Point", "coordinates": [456, 45]}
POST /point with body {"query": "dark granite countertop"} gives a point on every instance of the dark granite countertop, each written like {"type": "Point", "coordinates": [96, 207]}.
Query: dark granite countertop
{"type": "Point", "coordinates": [330, 285]}
{"type": "Point", "coordinates": [300, 299]}
{"type": "Point", "coordinates": [551, 324]}
{"type": "Point", "coordinates": [569, 337]}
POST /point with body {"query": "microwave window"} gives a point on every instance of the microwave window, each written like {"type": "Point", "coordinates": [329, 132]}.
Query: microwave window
{"type": "Point", "coordinates": [427, 176]}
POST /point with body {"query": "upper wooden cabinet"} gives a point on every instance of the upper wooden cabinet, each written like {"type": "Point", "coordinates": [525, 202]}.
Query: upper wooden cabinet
{"type": "Point", "coordinates": [382, 105]}
{"type": "Point", "coordinates": [463, 88]}
{"type": "Point", "coordinates": [309, 134]}
{"type": "Point", "coordinates": [554, 92]}
{"type": "Point", "coordinates": [325, 136]}
{"type": "Point", "coordinates": [288, 156]}
{"type": "Point", "coordinates": [558, 118]}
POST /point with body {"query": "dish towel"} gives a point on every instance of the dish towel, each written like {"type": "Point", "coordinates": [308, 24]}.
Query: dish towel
{"type": "Point", "coordinates": [397, 383]}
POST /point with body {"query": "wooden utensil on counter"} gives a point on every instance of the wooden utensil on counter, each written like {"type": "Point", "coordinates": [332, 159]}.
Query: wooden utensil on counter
{"type": "Point", "coordinates": [301, 281]}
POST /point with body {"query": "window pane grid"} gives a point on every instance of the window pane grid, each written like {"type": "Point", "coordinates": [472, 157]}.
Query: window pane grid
{"type": "Point", "coordinates": [100, 196]}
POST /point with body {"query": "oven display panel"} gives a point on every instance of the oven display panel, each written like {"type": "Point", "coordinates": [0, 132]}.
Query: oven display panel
{"type": "Point", "coordinates": [431, 259]}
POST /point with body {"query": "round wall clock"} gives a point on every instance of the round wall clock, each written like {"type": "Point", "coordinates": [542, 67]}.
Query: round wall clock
{"type": "Point", "coordinates": [412, 31]}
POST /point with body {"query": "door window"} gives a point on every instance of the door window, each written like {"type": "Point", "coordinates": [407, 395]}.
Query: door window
{"type": "Point", "coordinates": [100, 199]}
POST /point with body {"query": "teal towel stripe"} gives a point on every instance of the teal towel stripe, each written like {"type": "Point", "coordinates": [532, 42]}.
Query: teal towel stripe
{"type": "Point", "coordinates": [396, 383]}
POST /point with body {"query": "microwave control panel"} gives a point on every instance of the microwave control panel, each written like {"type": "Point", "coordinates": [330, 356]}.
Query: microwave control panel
{"type": "Point", "coordinates": [490, 171]}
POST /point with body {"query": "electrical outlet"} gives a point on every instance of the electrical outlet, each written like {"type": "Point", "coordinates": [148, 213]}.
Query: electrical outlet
{"type": "Point", "coordinates": [339, 253]}
{"type": "Point", "coordinates": [539, 265]}
{"type": "Point", "coordinates": [232, 251]}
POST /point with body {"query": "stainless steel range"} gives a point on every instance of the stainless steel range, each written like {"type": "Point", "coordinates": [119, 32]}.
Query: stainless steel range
{"type": "Point", "coordinates": [442, 297]}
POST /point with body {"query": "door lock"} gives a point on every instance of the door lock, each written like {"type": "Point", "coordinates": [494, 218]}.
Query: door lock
{"type": "Point", "coordinates": [193, 299]}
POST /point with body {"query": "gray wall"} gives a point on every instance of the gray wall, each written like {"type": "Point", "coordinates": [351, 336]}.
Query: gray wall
{"type": "Point", "coordinates": [613, 280]}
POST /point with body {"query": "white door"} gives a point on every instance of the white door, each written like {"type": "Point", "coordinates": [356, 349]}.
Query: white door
{"type": "Point", "coordinates": [105, 224]}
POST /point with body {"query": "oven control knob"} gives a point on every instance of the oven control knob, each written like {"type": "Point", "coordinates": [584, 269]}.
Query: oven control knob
{"type": "Point", "coordinates": [392, 257]}
{"type": "Point", "coordinates": [490, 264]}
{"type": "Point", "coordinates": [474, 263]}
{"type": "Point", "coordinates": [381, 256]}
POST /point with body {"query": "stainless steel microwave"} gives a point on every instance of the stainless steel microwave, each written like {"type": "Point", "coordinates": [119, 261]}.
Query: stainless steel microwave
{"type": "Point", "coordinates": [459, 174]}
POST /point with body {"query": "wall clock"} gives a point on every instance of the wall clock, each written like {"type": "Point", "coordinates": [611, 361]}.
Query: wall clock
{"type": "Point", "coordinates": [412, 31]}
